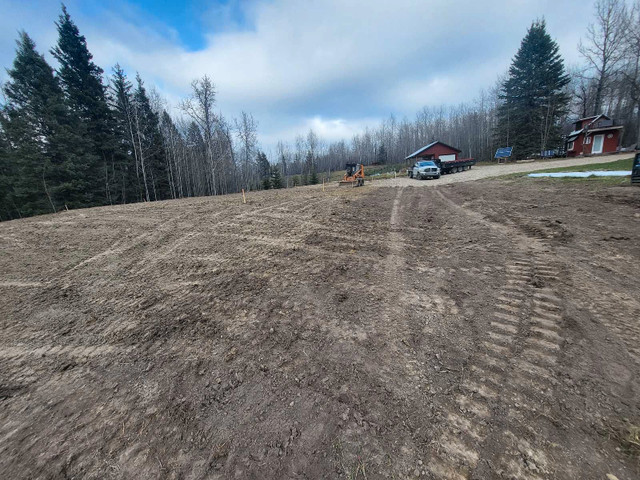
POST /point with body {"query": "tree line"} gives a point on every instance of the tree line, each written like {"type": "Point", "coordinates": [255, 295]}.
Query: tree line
{"type": "Point", "coordinates": [530, 108]}
{"type": "Point", "coordinates": [74, 137]}
{"type": "Point", "coordinates": [68, 139]}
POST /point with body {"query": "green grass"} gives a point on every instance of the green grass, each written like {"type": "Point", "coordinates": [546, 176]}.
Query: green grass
{"type": "Point", "coordinates": [622, 164]}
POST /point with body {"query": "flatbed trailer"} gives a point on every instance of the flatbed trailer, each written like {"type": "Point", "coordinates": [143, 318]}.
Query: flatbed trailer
{"type": "Point", "coordinates": [453, 166]}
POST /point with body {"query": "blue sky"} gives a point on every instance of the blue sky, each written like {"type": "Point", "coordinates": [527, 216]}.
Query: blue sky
{"type": "Point", "coordinates": [332, 65]}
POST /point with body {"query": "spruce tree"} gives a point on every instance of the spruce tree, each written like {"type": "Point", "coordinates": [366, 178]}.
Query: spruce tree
{"type": "Point", "coordinates": [85, 95]}
{"type": "Point", "coordinates": [533, 97]}
{"type": "Point", "coordinates": [33, 124]}
{"type": "Point", "coordinates": [276, 177]}
{"type": "Point", "coordinates": [126, 171]}
{"type": "Point", "coordinates": [150, 148]}
{"type": "Point", "coordinates": [313, 179]}
{"type": "Point", "coordinates": [382, 155]}
{"type": "Point", "coordinates": [7, 176]}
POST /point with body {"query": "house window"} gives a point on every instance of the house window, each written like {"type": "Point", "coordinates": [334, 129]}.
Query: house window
{"type": "Point", "coordinates": [570, 145]}
{"type": "Point", "coordinates": [587, 140]}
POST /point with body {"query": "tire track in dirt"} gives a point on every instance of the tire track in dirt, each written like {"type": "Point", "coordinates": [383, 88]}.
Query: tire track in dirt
{"type": "Point", "coordinates": [520, 347]}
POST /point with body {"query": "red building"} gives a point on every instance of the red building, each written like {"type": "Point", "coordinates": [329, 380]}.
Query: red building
{"type": "Point", "coordinates": [594, 136]}
{"type": "Point", "coordinates": [435, 151]}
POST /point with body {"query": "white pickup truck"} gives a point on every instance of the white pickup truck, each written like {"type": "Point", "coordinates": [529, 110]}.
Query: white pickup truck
{"type": "Point", "coordinates": [424, 169]}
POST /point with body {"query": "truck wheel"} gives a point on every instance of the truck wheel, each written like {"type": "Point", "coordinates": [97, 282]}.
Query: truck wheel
{"type": "Point", "coordinates": [437, 177]}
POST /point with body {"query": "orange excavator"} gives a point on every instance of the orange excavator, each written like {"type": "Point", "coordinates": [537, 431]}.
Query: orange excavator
{"type": "Point", "coordinates": [354, 175]}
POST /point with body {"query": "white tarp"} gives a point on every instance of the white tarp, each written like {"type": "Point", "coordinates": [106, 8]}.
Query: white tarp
{"type": "Point", "coordinates": [613, 173]}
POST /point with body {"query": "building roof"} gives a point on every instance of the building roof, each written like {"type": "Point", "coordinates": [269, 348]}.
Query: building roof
{"type": "Point", "coordinates": [427, 147]}
{"type": "Point", "coordinates": [595, 117]}
{"type": "Point", "coordinates": [604, 129]}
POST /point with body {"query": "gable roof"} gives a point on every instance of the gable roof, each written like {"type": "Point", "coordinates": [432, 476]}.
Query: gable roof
{"type": "Point", "coordinates": [427, 147]}
{"type": "Point", "coordinates": [594, 117]}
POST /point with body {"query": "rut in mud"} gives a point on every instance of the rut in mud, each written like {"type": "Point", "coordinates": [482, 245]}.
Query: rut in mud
{"type": "Point", "coordinates": [479, 330]}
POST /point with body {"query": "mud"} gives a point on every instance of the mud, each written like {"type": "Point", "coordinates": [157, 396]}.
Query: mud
{"type": "Point", "coordinates": [477, 330]}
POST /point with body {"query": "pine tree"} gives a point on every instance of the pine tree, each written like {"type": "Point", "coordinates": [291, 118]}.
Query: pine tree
{"type": "Point", "coordinates": [533, 97]}
{"type": "Point", "coordinates": [33, 122]}
{"type": "Point", "coordinates": [92, 143]}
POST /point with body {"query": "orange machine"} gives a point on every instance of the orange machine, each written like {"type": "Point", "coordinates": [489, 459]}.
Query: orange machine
{"type": "Point", "coordinates": [354, 175]}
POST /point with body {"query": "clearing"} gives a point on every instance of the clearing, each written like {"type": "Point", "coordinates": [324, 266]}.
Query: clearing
{"type": "Point", "coordinates": [473, 330]}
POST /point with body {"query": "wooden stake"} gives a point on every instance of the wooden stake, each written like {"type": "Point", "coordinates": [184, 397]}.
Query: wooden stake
{"type": "Point", "coordinates": [323, 184]}
{"type": "Point", "coordinates": [244, 199]}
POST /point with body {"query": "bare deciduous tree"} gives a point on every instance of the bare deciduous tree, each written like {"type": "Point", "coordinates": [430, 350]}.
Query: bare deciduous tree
{"type": "Point", "coordinates": [603, 49]}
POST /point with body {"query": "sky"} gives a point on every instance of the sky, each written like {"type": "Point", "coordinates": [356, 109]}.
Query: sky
{"type": "Point", "coordinates": [336, 66]}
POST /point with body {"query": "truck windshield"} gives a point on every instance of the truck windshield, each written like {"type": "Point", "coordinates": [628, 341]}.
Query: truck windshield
{"type": "Point", "coordinates": [426, 164]}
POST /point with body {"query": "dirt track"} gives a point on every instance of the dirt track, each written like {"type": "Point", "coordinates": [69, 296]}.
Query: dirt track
{"type": "Point", "coordinates": [478, 330]}
{"type": "Point", "coordinates": [489, 171]}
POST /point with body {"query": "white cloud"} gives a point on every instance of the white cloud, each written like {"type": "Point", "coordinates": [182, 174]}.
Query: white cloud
{"type": "Point", "coordinates": [329, 64]}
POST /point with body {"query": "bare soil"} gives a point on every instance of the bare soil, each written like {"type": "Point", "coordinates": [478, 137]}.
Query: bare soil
{"type": "Point", "coordinates": [477, 330]}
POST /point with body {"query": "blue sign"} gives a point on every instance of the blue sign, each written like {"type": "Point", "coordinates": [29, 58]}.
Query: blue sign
{"type": "Point", "coordinates": [503, 152]}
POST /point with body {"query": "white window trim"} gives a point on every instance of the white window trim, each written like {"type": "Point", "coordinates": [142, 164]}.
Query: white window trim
{"type": "Point", "coordinates": [587, 140]}
{"type": "Point", "coordinates": [570, 145]}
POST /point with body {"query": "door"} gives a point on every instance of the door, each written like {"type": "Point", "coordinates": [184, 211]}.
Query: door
{"type": "Point", "coordinates": [447, 158]}
{"type": "Point", "coordinates": [598, 142]}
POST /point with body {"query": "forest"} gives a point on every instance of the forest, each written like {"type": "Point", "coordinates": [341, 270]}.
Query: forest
{"type": "Point", "coordinates": [77, 136]}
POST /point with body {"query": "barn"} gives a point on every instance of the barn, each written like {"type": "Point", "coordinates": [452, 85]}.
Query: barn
{"type": "Point", "coordinates": [435, 151]}
{"type": "Point", "coordinates": [594, 136]}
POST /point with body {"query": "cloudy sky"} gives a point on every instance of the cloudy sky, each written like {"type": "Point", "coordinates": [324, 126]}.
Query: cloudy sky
{"type": "Point", "coordinates": [333, 65]}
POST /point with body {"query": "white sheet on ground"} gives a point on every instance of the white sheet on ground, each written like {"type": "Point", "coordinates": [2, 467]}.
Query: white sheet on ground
{"type": "Point", "coordinates": [613, 173]}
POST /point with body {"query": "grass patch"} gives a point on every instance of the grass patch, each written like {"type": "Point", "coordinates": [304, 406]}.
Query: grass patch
{"type": "Point", "coordinates": [622, 164]}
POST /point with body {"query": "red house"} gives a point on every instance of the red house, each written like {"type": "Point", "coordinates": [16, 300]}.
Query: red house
{"type": "Point", "coordinates": [436, 151]}
{"type": "Point", "coordinates": [594, 136]}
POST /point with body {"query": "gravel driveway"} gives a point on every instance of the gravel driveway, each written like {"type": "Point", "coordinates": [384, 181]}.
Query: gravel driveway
{"type": "Point", "coordinates": [479, 172]}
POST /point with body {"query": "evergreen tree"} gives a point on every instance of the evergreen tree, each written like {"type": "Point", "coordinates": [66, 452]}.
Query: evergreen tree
{"type": "Point", "coordinates": [533, 97]}
{"type": "Point", "coordinates": [264, 169]}
{"type": "Point", "coordinates": [313, 179]}
{"type": "Point", "coordinates": [276, 177]}
{"type": "Point", "coordinates": [34, 131]}
{"type": "Point", "coordinates": [7, 176]}
{"type": "Point", "coordinates": [150, 148]}
{"type": "Point", "coordinates": [382, 155]}
{"type": "Point", "coordinates": [85, 95]}
{"type": "Point", "coordinates": [125, 174]}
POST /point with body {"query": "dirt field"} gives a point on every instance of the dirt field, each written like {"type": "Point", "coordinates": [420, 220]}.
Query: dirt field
{"type": "Point", "coordinates": [475, 330]}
